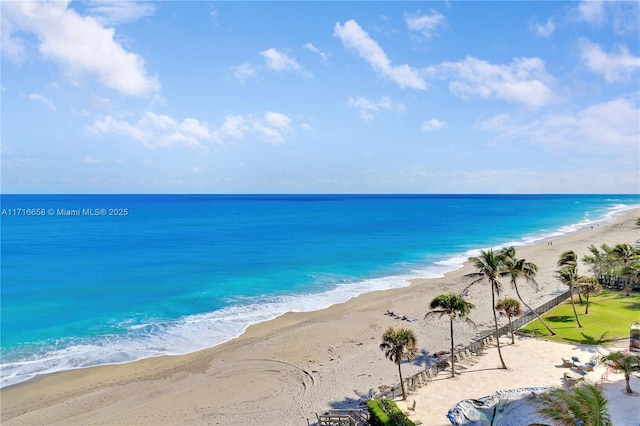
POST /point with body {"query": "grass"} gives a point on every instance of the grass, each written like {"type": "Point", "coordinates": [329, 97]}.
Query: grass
{"type": "Point", "coordinates": [611, 314]}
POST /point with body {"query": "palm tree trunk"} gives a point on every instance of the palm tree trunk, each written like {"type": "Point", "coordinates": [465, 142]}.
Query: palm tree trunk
{"type": "Point", "coordinates": [573, 305]}
{"type": "Point", "coordinates": [453, 372]}
{"type": "Point", "coordinates": [513, 337]}
{"type": "Point", "coordinates": [627, 377]}
{"type": "Point", "coordinates": [536, 314]}
{"type": "Point", "coordinates": [495, 321]}
{"type": "Point", "coordinates": [404, 393]}
{"type": "Point", "coordinates": [586, 309]}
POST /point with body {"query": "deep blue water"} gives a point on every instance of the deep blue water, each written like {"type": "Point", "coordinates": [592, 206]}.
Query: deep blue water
{"type": "Point", "coordinates": [178, 273]}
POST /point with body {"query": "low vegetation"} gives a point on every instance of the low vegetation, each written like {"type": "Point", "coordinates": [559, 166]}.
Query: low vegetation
{"type": "Point", "coordinates": [611, 314]}
{"type": "Point", "coordinates": [385, 412]}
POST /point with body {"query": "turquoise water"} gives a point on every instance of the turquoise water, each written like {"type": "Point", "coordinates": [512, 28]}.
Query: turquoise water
{"type": "Point", "coordinates": [171, 274]}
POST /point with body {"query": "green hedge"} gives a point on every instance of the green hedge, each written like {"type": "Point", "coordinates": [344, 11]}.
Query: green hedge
{"type": "Point", "coordinates": [385, 412]}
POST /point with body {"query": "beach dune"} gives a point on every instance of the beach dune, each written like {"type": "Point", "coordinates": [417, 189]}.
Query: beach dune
{"type": "Point", "coordinates": [283, 371]}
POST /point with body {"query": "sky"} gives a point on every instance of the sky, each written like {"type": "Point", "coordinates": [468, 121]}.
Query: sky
{"type": "Point", "coordinates": [320, 97]}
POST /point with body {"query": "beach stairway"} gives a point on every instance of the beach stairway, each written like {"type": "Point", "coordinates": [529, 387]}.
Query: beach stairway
{"type": "Point", "coordinates": [343, 418]}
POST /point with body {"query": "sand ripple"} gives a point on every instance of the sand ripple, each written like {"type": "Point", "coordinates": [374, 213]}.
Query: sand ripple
{"type": "Point", "coordinates": [249, 384]}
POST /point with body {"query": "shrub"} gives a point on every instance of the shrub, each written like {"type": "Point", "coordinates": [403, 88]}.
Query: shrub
{"type": "Point", "coordinates": [385, 412]}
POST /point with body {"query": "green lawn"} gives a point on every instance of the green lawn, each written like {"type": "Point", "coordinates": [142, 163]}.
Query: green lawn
{"type": "Point", "coordinates": [611, 314]}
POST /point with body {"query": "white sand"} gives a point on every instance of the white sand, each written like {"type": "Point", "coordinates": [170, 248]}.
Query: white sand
{"type": "Point", "coordinates": [283, 371]}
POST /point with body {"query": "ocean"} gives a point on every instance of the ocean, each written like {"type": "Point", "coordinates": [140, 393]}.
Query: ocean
{"type": "Point", "coordinates": [101, 279]}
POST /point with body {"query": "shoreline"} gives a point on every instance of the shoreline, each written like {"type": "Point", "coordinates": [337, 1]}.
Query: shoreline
{"type": "Point", "coordinates": [306, 302]}
{"type": "Point", "coordinates": [283, 370]}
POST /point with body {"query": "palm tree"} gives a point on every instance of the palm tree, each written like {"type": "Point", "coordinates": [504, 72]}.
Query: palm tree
{"type": "Point", "coordinates": [624, 363]}
{"type": "Point", "coordinates": [599, 261]}
{"type": "Point", "coordinates": [399, 344]}
{"type": "Point", "coordinates": [511, 308]}
{"type": "Point", "coordinates": [520, 268]}
{"type": "Point", "coordinates": [568, 274]}
{"type": "Point", "coordinates": [625, 255]}
{"type": "Point", "coordinates": [632, 273]}
{"type": "Point", "coordinates": [581, 405]}
{"type": "Point", "coordinates": [589, 286]}
{"type": "Point", "coordinates": [454, 307]}
{"type": "Point", "coordinates": [490, 266]}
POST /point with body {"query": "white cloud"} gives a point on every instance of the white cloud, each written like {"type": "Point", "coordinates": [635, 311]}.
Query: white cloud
{"type": "Point", "coordinates": [433, 124]}
{"type": "Point", "coordinates": [615, 67]}
{"type": "Point", "coordinates": [154, 130]}
{"type": "Point", "coordinates": [592, 12]}
{"type": "Point", "coordinates": [369, 109]}
{"type": "Point", "coordinates": [159, 130]}
{"type": "Point", "coordinates": [234, 126]}
{"type": "Point", "coordinates": [622, 15]}
{"type": "Point", "coordinates": [273, 128]}
{"type": "Point", "coordinates": [109, 13]}
{"type": "Point", "coordinates": [244, 71]}
{"type": "Point", "coordinates": [39, 98]}
{"type": "Point", "coordinates": [425, 24]}
{"type": "Point", "coordinates": [77, 44]}
{"type": "Point", "coordinates": [354, 37]}
{"type": "Point", "coordinates": [543, 30]}
{"type": "Point", "coordinates": [280, 61]}
{"type": "Point", "coordinates": [13, 48]}
{"type": "Point", "coordinates": [109, 125]}
{"type": "Point", "coordinates": [317, 51]}
{"type": "Point", "coordinates": [277, 120]}
{"type": "Point", "coordinates": [90, 160]}
{"type": "Point", "coordinates": [610, 127]}
{"type": "Point", "coordinates": [523, 81]}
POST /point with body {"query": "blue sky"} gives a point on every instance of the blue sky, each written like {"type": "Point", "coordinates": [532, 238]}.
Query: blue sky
{"type": "Point", "coordinates": [320, 97]}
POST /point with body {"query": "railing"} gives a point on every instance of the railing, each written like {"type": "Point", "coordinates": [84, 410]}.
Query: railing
{"type": "Point", "coordinates": [343, 418]}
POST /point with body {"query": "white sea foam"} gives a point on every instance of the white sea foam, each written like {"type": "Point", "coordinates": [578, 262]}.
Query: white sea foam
{"type": "Point", "coordinates": [185, 335]}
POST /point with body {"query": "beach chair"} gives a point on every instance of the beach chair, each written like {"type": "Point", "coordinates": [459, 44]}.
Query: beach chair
{"type": "Point", "coordinates": [575, 360]}
{"type": "Point", "coordinates": [430, 374]}
{"type": "Point", "coordinates": [458, 364]}
{"type": "Point", "coordinates": [589, 366]}
{"type": "Point", "coordinates": [567, 363]}
{"type": "Point", "coordinates": [469, 356]}
{"type": "Point", "coordinates": [462, 357]}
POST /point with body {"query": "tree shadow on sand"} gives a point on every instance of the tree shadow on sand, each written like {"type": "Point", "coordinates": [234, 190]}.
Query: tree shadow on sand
{"type": "Point", "coordinates": [424, 359]}
{"type": "Point", "coordinates": [359, 402]}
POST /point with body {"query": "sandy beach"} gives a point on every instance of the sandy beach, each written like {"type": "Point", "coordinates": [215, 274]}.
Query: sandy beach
{"type": "Point", "coordinates": [283, 371]}
{"type": "Point", "coordinates": [531, 362]}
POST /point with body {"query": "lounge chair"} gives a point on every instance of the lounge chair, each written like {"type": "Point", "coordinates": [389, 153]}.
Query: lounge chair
{"type": "Point", "coordinates": [580, 369]}
{"type": "Point", "coordinates": [470, 357]}
{"type": "Point", "coordinates": [567, 363]}
{"type": "Point", "coordinates": [462, 357]}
